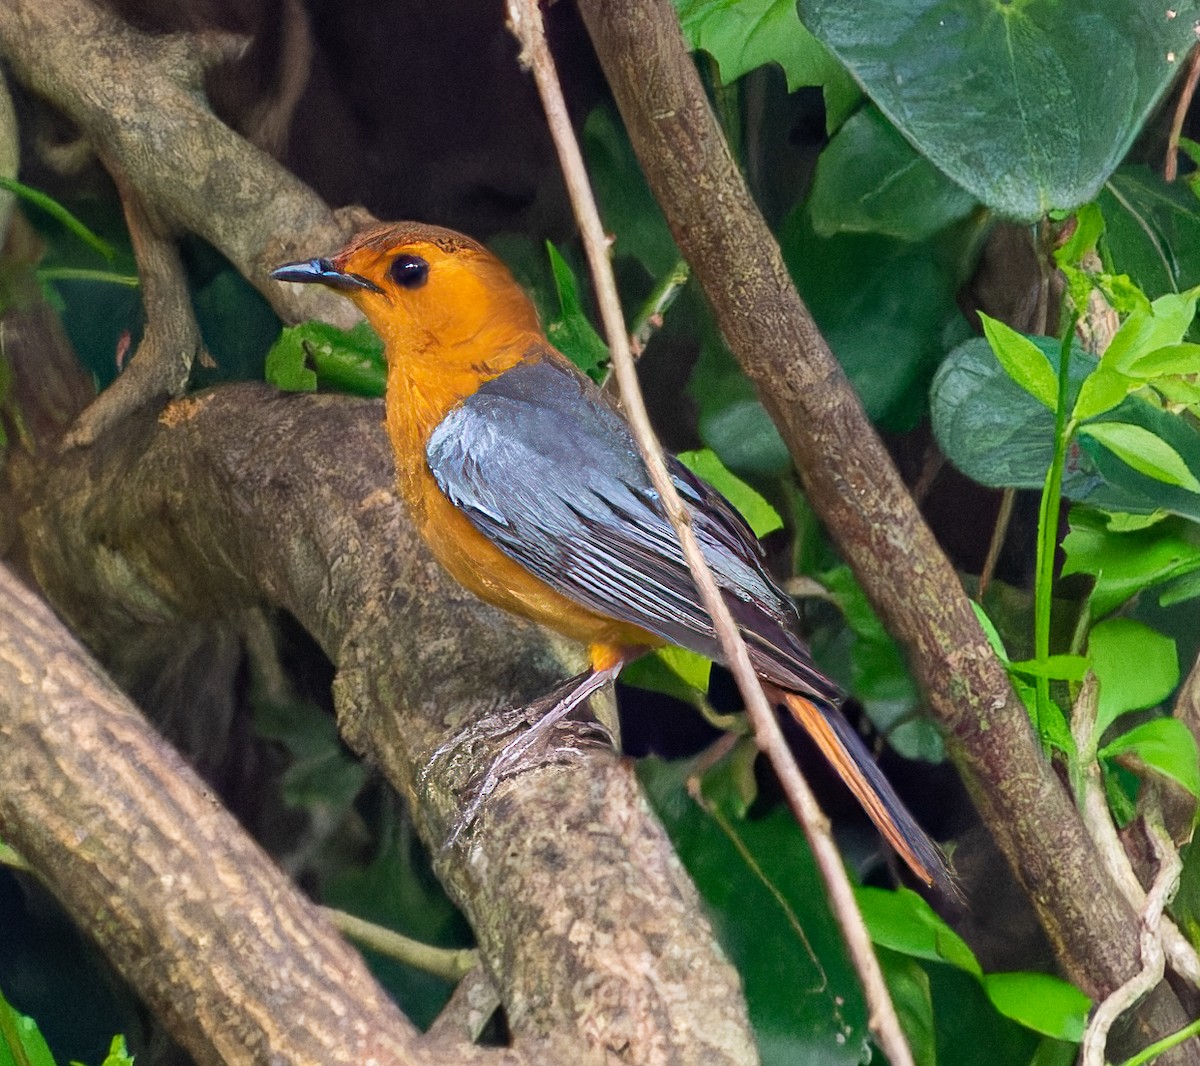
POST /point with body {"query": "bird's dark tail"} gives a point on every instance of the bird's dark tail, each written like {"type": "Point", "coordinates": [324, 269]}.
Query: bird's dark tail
{"type": "Point", "coordinates": [849, 757]}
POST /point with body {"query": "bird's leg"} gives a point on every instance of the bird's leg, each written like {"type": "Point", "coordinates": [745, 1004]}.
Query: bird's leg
{"type": "Point", "coordinates": [543, 716]}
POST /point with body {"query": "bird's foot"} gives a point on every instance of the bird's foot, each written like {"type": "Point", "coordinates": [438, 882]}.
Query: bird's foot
{"type": "Point", "coordinates": [544, 732]}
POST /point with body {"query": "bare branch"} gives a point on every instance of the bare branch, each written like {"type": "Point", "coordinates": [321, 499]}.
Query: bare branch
{"type": "Point", "coordinates": [1170, 865]}
{"type": "Point", "coordinates": [214, 903]}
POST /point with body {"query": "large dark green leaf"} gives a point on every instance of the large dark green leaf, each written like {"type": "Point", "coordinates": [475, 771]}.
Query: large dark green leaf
{"type": "Point", "coordinates": [768, 906]}
{"type": "Point", "coordinates": [1151, 230]}
{"type": "Point", "coordinates": [871, 180]}
{"type": "Point", "coordinates": [1010, 99]}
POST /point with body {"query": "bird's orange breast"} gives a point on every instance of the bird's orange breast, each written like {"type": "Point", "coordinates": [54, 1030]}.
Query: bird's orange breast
{"type": "Point", "coordinates": [413, 412]}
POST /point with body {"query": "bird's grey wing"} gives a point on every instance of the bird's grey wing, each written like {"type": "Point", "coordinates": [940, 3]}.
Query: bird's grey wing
{"type": "Point", "coordinates": [545, 468]}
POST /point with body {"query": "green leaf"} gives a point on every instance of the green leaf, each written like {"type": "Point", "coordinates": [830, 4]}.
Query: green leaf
{"type": "Point", "coordinates": [760, 516]}
{"type": "Point", "coordinates": [902, 921]}
{"type": "Point", "coordinates": [573, 333]}
{"type": "Point", "coordinates": [1181, 358]}
{"type": "Point", "coordinates": [908, 986]}
{"type": "Point", "coordinates": [21, 1042]}
{"type": "Point", "coordinates": [1143, 331]}
{"type": "Point", "coordinates": [1089, 228]}
{"type": "Point", "coordinates": [1022, 360]}
{"type": "Point", "coordinates": [316, 354]}
{"type": "Point", "coordinates": [998, 435]}
{"type": "Point", "coordinates": [1045, 1004]}
{"type": "Point", "coordinates": [1135, 666]}
{"type": "Point", "coordinates": [1165, 745]}
{"type": "Point", "coordinates": [1152, 230]}
{"type": "Point", "coordinates": [990, 631]}
{"type": "Point", "coordinates": [1001, 96]}
{"type": "Point", "coordinates": [118, 1053]}
{"type": "Point", "coordinates": [1142, 450]}
{"type": "Point", "coordinates": [1179, 591]}
{"type": "Point", "coordinates": [1102, 390]}
{"type": "Point", "coordinates": [692, 669]}
{"type": "Point", "coordinates": [1124, 564]}
{"type": "Point", "coordinates": [760, 886]}
{"type": "Point", "coordinates": [745, 34]}
{"type": "Point", "coordinates": [869, 179]}
{"type": "Point", "coordinates": [652, 673]}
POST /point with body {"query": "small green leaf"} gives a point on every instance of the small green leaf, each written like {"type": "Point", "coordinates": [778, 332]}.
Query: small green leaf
{"type": "Point", "coordinates": [118, 1054]}
{"type": "Point", "coordinates": [1182, 358]}
{"type": "Point", "coordinates": [653, 674]}
{"type": "Point", "coordinates": [692, 669]}
{"type": "Point", "coordinates": [1136, 668]}
{"type": "Point", "coordinates": [1165, 745]}
{"type": "Point", "coordinates": [1056, 667]}
{"type": "Point", "coordinates": [1125, 563]}
{"type": "Point", "coordinates": [1089, 228]}
{"type": "Point", "coordinates": [573, 334]}
{"type": "Point", "coordinates": [1146, 453]}
{"type": "Point", "coordinates": [1144, 331]}
{"type": "Point", "coordinates": [744, 35]}
{"type": "Point", "coordinates": [760, 516]}
{"type": "Point", "coordinates": [901, 920]}
{"type": "Point", "coordinates": [1102, 390]}
{"type": "Point", "coordinates": [1023, 361]}
{"type": "Point", "coordinates": [287, 364]}
{"type": "Point", "coordinates": [21, 1042]}
{"type": "Point", "coordinates": [990, 631]}
{"type": "Point", "coordinates": [1045, 1004]}
{"type": "Point", "coordinates": [316, 354]}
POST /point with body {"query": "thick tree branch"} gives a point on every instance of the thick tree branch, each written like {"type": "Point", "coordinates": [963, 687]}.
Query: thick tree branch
{"type": "Point", "coordinates": [854, 486]}
{"type": "Point", "coordinates": [138, 100]}
{"type": "Point", "coordinates": [176, 892]}
{"type": "Point", "coordinates": [587, 924]}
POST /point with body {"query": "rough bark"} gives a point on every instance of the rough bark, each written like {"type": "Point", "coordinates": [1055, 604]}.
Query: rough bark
{"type": "Point", "coordinates": [196, 916]}
{"type": "Point", "coordinates": [853, 485]}
{"type": "Point", "coordinates": [192, 514]}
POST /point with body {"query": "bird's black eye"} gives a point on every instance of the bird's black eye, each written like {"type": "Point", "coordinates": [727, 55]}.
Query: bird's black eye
{"type": "Point", "coordinates": [409, 271]}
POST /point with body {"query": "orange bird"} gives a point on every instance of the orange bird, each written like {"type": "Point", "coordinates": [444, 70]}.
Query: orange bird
{"type": "Point", "coordinates": [526, 483]}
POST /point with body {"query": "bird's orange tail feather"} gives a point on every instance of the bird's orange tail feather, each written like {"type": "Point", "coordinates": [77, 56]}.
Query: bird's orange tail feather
{"type": "Point", "coordinates": [853, 763]}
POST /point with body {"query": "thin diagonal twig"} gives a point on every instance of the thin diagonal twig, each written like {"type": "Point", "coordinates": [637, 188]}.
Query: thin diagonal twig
{"type": "Point", "coordinates": [526, 22]}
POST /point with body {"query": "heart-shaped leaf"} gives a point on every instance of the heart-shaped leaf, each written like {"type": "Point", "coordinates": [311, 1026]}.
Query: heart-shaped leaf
{"type": "Point", "coordinates": [1008, 98]}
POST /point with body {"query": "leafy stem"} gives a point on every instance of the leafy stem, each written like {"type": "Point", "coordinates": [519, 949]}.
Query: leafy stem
{"type": "Point", "coordinates": [1048, 515]}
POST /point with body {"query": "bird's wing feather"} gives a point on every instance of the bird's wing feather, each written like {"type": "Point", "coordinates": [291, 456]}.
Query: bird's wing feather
{"type": "Point", "coordinates": [545, 468]}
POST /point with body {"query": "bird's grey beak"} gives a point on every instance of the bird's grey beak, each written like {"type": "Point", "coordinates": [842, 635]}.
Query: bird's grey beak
{"type": "Point", "coordinates": [323, 272]}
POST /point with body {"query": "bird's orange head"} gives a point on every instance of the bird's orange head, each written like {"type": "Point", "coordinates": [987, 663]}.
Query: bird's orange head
{"type": "Point", "coordinates": [428, 292]}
